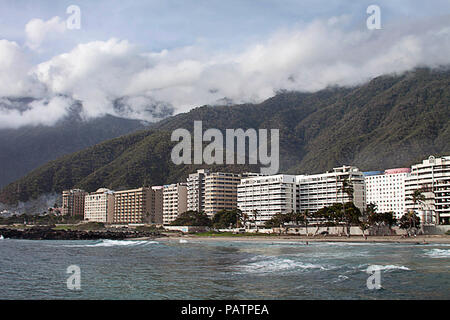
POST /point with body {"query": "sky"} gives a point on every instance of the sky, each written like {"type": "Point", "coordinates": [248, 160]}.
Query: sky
{"type": "Point", "coordinates": [186, 53]}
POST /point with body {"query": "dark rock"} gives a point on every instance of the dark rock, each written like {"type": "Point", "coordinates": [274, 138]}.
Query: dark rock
{"type": "Point", "coordinates": [46, 233]}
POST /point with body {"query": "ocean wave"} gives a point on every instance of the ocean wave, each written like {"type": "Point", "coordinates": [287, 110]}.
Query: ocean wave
{"type": "Point", "coordinates": [274, 264]}
{"type": "Point", "coordinates": [389, 267]}
{"type": "Point", "coordinates": [113, 243]}
{"type": "Point", "coordinates": [341, 278]}
{"type": "Point", "coordinates": [438, 253]}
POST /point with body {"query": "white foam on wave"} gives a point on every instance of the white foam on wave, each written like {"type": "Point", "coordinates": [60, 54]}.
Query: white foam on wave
{"type": "Point", "coordinates": [183, 241]}
{"type": "Point", "coordinates": [276, 264]}
{"type": "Point", "coordinates": [438, 253]}
{"type": "Point", "coordinates": [354, 244]}
{"type": "Point", "coordinates": [340, 278]}
{"type": "Point", "coordinates": [113, 243]}
{"type": "Point", "coordinates": [1, 237]}
{"type": "Point", "coordinates": [389, 267]}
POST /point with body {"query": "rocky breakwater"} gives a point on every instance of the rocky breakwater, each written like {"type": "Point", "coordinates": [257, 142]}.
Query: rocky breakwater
{"type": "Point", "coordinates": [47, 233]}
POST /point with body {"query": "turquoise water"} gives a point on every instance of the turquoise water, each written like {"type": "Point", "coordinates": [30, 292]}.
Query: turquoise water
{"type": "Point", "coordinates": [222, 270]}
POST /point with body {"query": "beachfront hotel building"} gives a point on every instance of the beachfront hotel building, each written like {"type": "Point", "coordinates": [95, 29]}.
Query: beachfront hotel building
{"type": "Point", "coordinates": [196, 190]}
{"type": "Point", "coordinates": [387, 190]}
{"type": "Point", "coordinates": [432, 178]}
{"type": "Point", "coordinates": [221, 192]}
{"type": "Point", "coordinates": [325, 189]}
{"type": "Point", "coordinates": [73, 202]}
{"type": "Point", "coordinates": [136, 206]}
{"type": "Point", "coordinates": [262, 197]}
{"type": "Point", "coordinates": [156, 205]}
{"type": "Point", "coordinates": [174, 201]}
{"type": "Point", "coordinates": [99, 206]}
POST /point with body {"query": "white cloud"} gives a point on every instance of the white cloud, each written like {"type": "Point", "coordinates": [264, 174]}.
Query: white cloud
{"type": "Point", "coordinates": [14, 72]}
{"type": "Point", "coordinates": [306, 58]}
{"type": "Point", "coordinates": [37, 31]}
{"type": "Point", "coordinates": [40, 112]}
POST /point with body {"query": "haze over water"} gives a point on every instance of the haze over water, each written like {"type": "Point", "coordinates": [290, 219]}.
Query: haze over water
{"type": "Point", "coordinates": [222, 270]}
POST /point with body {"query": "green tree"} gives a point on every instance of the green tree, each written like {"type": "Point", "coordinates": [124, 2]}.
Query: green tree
{"type": "Point", "coordinates": [192, 218]}
{"type": "Point", "coordinates": [243, 218]}
{"type": "Point", "coordinates": [346, 188]}
{"type": "Point", "coordinates": [350, 216]}
{"type": "Point", "coordinates": [364, 225]}
{"type": "Point", "coordinates": [307, 215]}
{"type": "Point", "coordinates": [225, 218]}
{"type": "Point", "coordinates": [417, 198]}
{"type": "Point", "coordinates": [278, 221]}
{"type": "Point", "coordinates": [409, 221]}
{"type": "Point", "coordinates": [321, 218]}
{"type": "Point", "coordinates": [255, 214]}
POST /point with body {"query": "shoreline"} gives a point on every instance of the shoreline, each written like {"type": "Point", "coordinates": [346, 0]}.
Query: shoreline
{"type": "Point", "coordinates": [427, 239]}
{"type": "Point", "coordinates": [44, 233]}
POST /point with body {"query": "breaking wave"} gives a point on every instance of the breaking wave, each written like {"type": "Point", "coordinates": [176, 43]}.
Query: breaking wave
{"type": "Point", "coordinates": [113, 243]}
{"type": "Point", "coordinates": [388, 267]}
{"type": "Point", "coordinates": [438, 253]}
{"type": "Point", "coordinates": [275, 264]}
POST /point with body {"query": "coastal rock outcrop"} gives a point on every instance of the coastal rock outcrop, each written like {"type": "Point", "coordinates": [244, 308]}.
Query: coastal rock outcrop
{"type": "Point", "coordinates": [46, 233]}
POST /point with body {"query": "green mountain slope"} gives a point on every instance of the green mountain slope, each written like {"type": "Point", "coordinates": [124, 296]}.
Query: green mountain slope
{"type": "Point", "coordinates": [27, 148]}
{"type": "Point", "coordinates": [389, 122]}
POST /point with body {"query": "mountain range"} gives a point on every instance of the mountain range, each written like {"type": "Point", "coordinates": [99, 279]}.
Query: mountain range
{"type": "Point", "coordinates": [29, 147]}
{"type": "Point", "coordinates": [390, 121]}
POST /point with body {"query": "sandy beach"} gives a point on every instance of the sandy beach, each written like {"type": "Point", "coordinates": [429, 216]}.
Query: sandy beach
{"type": "Point", "coordinates": [373, 239]}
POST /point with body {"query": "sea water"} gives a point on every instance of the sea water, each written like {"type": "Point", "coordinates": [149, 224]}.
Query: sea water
{"type": "Point", "coordinates": [193, 269]}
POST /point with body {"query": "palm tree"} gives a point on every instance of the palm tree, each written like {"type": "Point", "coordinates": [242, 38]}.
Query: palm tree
{"type": "Point", "coordinates": [306, 215]}
{"type": "Point", "coordinates": [321, 216]}
{"type": "Point", "coordinates": [418, 198]}
{"type": "Point", "coordinates": [408, 221]}
{"type": "Point", "coordinates": [364, 225]}
{"type": "Point", "coordinates": [255, 216]}
{"type": "Point", "coordinates": [243, 217]}
{"type": "Point", "coordinates": [238, 217]}
{"type": "Point", "coordinates": [348, 189]}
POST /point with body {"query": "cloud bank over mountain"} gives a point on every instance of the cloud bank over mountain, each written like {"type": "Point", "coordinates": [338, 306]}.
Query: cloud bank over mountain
{"type": "Point", "coordinates": [117, 77]}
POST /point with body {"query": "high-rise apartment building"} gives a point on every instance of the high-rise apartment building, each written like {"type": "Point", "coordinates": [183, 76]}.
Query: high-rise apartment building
{"type": "Point", "coordinates": [73, 202]}
{"type": "Point", "coordinates": [156, 208]}
{"type": "Point", "coordinates": [136, 206]}
{"type": "Point", "coordinates": [174, 201]}
{"type": "Point", "coordinates": [221, 192]}
{"type": "Point", "coordinates": [325, 189]}
{"type": "Point", "coordinates": [387, 190]}
{"type": "Point", "coordinates": [264, 196]}
{"type": "Point", "coordinates": [99, 206]}
{"type": "Point", "coordinates": [432, 178]}
{"type": "Point", "coordinates": [196, 190]}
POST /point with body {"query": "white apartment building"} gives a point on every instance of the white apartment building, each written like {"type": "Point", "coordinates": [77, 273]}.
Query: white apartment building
{"type": "Point", "coordinates": [387, 190]}
{"type": "Point", "coordinates": [174, 201]}
{"type": "Point", "coordinates": [325, 189]}
{"type": "Point", "coordinates": [432, 177]}
{"type": "Point", "coordinates": [196, 190]}
{"type": "Point", "coordinates": [99, 206]}
{"type": "Point", "coordinates": [267, 195]}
